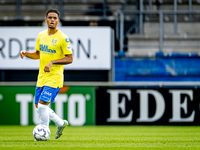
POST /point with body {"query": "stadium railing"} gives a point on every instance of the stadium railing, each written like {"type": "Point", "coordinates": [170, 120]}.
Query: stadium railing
{"type": "Point", "coordinates": [138, 26]}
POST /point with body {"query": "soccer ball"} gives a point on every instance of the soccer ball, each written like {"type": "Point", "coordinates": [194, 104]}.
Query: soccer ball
{"type": "Point", "coordinates": [41, 133]}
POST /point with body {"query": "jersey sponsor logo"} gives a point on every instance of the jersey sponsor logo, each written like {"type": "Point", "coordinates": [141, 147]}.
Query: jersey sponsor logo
{"type": "Point", "coordinates": [44, 48]}
{"type": "Point", "coordinates": [67, 40]}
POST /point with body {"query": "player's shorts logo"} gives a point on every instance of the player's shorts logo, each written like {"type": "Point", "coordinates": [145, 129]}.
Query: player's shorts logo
{"type": "Point", "coordinates": [47, 93]}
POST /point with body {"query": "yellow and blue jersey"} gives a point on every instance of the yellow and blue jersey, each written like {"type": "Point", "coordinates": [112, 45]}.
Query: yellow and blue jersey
{"type": "Point", "coordinates": [52, 48]}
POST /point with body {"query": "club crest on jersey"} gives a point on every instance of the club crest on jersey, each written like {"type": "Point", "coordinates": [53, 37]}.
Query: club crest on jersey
{"type": "Point", "coordinates": [54, 42]}
{"type": "Point", "coordinates": [67, 40]}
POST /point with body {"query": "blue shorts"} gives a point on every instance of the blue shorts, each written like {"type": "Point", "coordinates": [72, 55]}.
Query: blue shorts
{"type": "Point", "coordinates": [46, 94]}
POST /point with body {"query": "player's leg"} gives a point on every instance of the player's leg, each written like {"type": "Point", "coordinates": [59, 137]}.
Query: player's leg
{"type": "Point", "coordinates": [61, 124]}
{"type": "Point", "coordinates": [43, 112]}
{"type": "Point", "coordinates": [55, 118]}
{"type": "Point", "coordinates": [41, 108]}
{"type": "Point", "coordinates": [52, 116]}
{"type": "Point", "coordinates": [46, 95]}
{"type": "Point", "coordinates": [43, 97]}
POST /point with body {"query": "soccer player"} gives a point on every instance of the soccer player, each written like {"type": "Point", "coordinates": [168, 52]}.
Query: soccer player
{"type": "Point", "coordinates": [54, 51]}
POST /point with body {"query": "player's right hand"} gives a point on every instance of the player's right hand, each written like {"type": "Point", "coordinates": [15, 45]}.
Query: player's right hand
{"type": "Point", "coordinates": [22, 54]}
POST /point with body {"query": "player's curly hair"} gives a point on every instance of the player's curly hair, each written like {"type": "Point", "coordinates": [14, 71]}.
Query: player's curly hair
{"type": "Point", "coordinates": [53, 10]}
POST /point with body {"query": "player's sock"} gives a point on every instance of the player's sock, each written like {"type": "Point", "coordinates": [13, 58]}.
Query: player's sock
{"type": "Point", "coordinates": [55, 118]}
{"type": "Point", "coordinates": [44, 114]}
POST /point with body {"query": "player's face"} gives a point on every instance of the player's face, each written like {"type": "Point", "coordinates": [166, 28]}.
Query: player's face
{"type": "Point", "coordinates": [52, 20]}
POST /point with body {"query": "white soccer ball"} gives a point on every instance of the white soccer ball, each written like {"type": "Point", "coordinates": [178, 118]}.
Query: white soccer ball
{"type": "Point", "coordinates": [41, 133]}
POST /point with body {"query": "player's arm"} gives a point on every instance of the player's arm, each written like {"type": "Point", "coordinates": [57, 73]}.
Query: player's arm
{"type": "Point", "coordinates": [33, 55]}
{"type": "Point", "coordinates": [68, 59]}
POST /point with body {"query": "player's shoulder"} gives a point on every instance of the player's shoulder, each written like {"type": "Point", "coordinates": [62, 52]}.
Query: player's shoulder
{"type": "Point", "coordinates": [61, 34]}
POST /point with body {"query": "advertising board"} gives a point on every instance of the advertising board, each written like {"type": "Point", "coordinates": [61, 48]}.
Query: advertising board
{"type": "Point", "coordinates": [91, 47]}
{"type": "Point", "coordinates": [76, 104]}
{"type": "Point", "coordinates": [147, 106]}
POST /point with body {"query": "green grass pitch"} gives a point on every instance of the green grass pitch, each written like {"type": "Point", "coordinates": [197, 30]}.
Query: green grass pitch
{"type": "Point", "coordinates": [104, 137]}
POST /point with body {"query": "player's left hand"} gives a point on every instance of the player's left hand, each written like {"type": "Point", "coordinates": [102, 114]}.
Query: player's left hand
{"type": "Point", "coordinates": [48, 67]}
